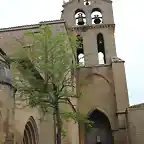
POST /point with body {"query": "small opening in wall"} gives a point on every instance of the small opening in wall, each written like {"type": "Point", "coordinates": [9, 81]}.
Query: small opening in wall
{"type": "Point", "coordinates": [96, 16]}
{"type": "Point", "coordinates": [101, 58]}
{"type": "Point", "coordinates": [80, 51]}
{"type": "Point", "coordinates": [80, 56]}
{"type": "Point", "coordinates": [80, 17]}
{"type": "Point", "coordinates": [79, 41]}
{"type": "Point", "coordinates": [81, 59]}
{"type": "Point", "coordinates": [101, 49]}
{"type": "Point", "coordinates": [87, 2]}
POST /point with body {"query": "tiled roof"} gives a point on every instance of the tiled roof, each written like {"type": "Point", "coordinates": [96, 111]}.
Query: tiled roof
{"type": "Point", "coordinates": [137, 106]}
{"type": "Point", "coordinates": [31, 26]}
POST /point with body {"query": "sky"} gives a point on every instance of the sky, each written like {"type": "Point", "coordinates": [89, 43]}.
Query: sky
{"type": "Point", "coordinates": [129, 20]}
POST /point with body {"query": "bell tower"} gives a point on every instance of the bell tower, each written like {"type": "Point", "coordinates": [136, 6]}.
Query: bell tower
{"type": "Point", "coordinates": [96, 19]}
{"type": "Point", "coordinates": [101, 77]}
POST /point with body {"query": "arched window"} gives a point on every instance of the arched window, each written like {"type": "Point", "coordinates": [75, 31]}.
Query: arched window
{"type": "Point", "coordinates": [30, 132]}
{"type": "Point", "coordinates": [96, 16]}
{"type": "Point", "coordinates": [80, 17]}
{"type": "Point", "coordinates": [80, 51]}
{"type": "Point", "coordinates": [101, 49]}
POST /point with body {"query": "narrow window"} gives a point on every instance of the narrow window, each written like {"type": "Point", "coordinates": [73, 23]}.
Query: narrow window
{"type": "Point", "coordinates": [101, 49]}
{"type": "Point", "coordinates": [80, 51]}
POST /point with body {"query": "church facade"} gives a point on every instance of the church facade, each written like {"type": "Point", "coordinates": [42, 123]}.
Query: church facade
{"type": "Point", "coordinates": [105, 96]}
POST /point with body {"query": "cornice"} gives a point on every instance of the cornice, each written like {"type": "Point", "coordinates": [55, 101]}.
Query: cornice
{"type": "Point", "coordinates": [31, 26]}
{"type": "Point", "coordinates": [141, 105]}
{"type": "Point", "coordinates": [117, 60]}
{"type": "Point", "coordinates": [85, 27]}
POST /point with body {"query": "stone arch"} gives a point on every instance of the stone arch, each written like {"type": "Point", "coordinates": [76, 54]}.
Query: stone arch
{"type": "Point", "coordinates": [30, 135]}
{"type": "Point", "coordinates": [108, 81]}
{"type": "Point", "coordinates": [98, 109]}
{"type": "Point", "coordinates": [101, 132]}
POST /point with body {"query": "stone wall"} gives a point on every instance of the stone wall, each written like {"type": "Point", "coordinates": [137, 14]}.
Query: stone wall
{"type": "Point", "coordinates": [136, 125]}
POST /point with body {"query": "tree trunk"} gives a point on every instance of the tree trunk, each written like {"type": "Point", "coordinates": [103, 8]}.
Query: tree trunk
{"type": "Point", "coordinates": [55, 135]}
{"type": "Point", "coordinates": [59, 125]}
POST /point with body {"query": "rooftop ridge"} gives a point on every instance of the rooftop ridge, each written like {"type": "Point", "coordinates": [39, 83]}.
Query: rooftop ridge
{"type": "Point", "coordinates": [66, 3]}
{"type": "Point", "coordinates": [21, 27]}
{"type": "Point", "coordinates": [141, 105]}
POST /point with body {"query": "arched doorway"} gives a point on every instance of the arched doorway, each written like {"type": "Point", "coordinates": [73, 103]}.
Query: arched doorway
{"type": "Point", "coordinates": [30, 132]}
{"type": "Point", "coordinates": [100, 133]}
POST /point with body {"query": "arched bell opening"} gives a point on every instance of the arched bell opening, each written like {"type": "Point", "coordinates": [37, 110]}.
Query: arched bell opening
{"type": "Point", "coordinates": [96, 16]}
{"type": "Point", "coordinates": [101, 49]}
{"type": "Point", "coordinates": [30, 132]}
{"type": "Point", "coordinates": [80, 17]}
{"type": "Point", "coordinates": [87, 2]}
{"type": "Point", "coordinates": [100, 132]}
{"type": "Point", "coordinates": [80, 51]}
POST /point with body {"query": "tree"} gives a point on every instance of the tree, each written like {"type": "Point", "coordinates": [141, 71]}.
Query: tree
{"type": "Point", "coordinates": [48, 64]}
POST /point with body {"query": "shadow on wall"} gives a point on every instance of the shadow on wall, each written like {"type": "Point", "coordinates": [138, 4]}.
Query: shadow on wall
{"type": "Point", "coordinates": [100, 133]}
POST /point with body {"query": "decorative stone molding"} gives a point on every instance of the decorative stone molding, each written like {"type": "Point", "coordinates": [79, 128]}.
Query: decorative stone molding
{"type": "Point", "coordinates": [32, 26]}
{"type": "Point", "coordinates": [86, 27]}
{"type": "Point", "coordinates": [116, 59]}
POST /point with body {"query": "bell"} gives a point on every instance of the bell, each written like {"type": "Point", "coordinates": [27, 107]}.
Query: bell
{"type": "Point", "coordinates": [87, 2]}
{"type": "Point", "coordinates": [80, 20]}
{"type": "Point", "coordinates": [97, 19]}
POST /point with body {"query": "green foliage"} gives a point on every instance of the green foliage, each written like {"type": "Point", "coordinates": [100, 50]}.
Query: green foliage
{"type": "Point", "coordinates": [77, 117]}
{"type": "Point", "coordinates": [51, 56]}
{"type": "Point", "coordinates": [46, 65]}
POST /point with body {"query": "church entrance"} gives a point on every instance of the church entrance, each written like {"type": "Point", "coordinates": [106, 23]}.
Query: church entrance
{"type": "Point", "coordinates": [100, 133]}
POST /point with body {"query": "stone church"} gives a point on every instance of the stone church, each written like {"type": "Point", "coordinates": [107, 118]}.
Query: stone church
{"type": "Point", "coordinates": [105, 97]}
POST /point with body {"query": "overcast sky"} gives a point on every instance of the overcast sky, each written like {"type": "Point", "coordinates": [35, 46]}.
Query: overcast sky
{"type": "Point", "coordinates": [129, 21]}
